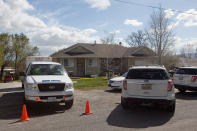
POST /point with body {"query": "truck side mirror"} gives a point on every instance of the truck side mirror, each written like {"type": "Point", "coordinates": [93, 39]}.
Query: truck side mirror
{"type": "Point", "coordinates": [22, 74]}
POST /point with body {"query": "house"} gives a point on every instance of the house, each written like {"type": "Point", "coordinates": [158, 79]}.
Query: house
{"type": "Point", "coordinates": [84, 59]}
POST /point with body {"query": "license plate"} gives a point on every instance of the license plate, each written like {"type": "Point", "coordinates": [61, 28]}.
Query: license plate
{"type": "Point", "coordinates": [146, 87]}
{"type": "Point", "coordinates": [51, 99]}
{"type": "Point", "coordinates": [181, 78]}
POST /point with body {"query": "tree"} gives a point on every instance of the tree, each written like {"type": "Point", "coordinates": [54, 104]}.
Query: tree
{"type": "Point", "coordinates": [110, 39]}
{"type": "Point", "coordinates": [21, 49]}
{"type": "Point", "coordinates": [170, 60]}
{"type": "Point", "coordinates": [196, 53]}
{"type": "Point", "coordinates": [5, 51]}
{"type": "Point", "coordinates": [160, 34]}
{"type": "Point", "coordinates": [190, 50]}
{"type": "Point", "coordinates": [182, 52]}
{"type": "Point", "coordinates": [1, 55]}
{"type": "Point", "coordinates": [14, 49]}
{"type": "Point", "coordinates": [137, 39]}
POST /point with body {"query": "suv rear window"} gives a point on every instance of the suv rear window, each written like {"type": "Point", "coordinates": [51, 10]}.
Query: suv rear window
{"type": "Point", "coordinates": [187, 71]}
{"type": "Point", "coordinates": [153, 74]}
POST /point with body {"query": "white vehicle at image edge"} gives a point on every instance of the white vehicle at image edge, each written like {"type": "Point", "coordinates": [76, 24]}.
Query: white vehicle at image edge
{"type": "Point", "coordinates": [185, 78]}
{"type": "Point", "coordinates": [148, 85]}
{"type": "Point", "coordinates": [116, 82]}
{"type": "Point", "coordinates": [48, 82]}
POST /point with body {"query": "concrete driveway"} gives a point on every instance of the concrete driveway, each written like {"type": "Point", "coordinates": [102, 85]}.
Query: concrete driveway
{"type": "Point", "coordinates": [107, 113]}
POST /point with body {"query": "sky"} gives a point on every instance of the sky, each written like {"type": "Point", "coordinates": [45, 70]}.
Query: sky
{"type": "Point", "coordinates": [52, 25]}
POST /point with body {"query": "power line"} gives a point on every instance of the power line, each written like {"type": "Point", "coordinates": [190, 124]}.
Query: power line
{"type": "Point", "coordinates": [150, 6]}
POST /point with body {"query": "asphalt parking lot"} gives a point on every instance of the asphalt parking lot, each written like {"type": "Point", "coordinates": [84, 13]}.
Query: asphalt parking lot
{"type": "Point", "coordinates": [107, 113]}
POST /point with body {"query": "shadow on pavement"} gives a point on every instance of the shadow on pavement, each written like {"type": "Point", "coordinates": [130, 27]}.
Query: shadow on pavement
{"type": "Point", "coordinates": [11, 104]}
{"type": "Point", "coordinates": [139, 117]}
{"type": "Point", "coordinates": [186, 95]}
{"type": "Point", "coordinates": [113, 90]}
{"type": "Point", "coordinates": [41, 109]}
{"type": "Point", "coordinates": [11, 89]}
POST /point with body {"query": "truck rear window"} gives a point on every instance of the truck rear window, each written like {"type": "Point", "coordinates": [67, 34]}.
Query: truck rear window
{"type": "Point", "coordinates": [153, 74]}
{"type": "Point", "coordinates": [186, 71]}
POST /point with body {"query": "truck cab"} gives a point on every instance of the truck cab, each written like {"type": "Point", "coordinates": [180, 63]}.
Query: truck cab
{"type": "Point", "coordinates": [48, 82]}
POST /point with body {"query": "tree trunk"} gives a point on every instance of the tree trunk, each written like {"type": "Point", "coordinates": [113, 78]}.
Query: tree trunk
{"type": "Point", "coordinates": [1, 75]}
{"type": "Point", "coordinates": [15, 66]}
{"type": "Point", "coordinates": [159, 55]}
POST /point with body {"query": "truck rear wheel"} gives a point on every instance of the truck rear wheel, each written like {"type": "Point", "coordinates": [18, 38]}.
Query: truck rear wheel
{"type": "Point", "coordinates": [124, 104]}
{"type": "Point", "coordinates": [69, 104]}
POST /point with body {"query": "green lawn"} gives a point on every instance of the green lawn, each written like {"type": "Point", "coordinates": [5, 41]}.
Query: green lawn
{"type": "Point", "coordinates": [83, 83]}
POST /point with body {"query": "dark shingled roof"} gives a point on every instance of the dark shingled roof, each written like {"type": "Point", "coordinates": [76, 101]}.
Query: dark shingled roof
{"type": "Point", "coordinates": [98, 50]}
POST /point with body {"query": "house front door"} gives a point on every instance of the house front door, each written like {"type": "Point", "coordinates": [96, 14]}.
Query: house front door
{"type": "Point", "coordinates": [80, 66]}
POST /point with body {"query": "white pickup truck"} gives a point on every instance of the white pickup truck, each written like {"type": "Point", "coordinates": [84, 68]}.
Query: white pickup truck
{"type": "Point", "coordinates": [47, 82]}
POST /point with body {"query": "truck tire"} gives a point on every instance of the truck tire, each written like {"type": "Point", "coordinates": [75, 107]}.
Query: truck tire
{"type": "Point", "coordinates": [69, 104]}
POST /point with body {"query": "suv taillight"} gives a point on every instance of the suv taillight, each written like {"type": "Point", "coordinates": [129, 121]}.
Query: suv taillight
{"type": "Point", "coordinates": [194, 78]}
{"type": "Point", "coordinates": [125, 85]}
{"type": "Point", "coordinates": [170, 85]}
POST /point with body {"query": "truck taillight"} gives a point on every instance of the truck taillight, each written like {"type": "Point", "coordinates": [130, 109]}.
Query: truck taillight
{"type": "Point", "coordinates": [194, 78]}
{"type": "Point", "coordinates": [170, 85]}
{"type": "Point", "coordinates": [125, 85]}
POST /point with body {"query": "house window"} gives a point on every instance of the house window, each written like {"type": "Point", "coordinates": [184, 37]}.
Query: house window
{"type": "Point", "coordinates": [92, 62]}
{"type": "Point", "coordinates": [69, 62]}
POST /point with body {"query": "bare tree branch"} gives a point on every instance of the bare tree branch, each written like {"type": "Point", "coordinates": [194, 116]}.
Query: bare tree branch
{"type": "Point", "coordinates": [160, 34]}
{"type": "Point", "coordinates": [137, 39]}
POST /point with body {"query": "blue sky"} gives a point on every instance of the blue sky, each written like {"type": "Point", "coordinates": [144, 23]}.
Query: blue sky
{"type": "Point", "coordinates": [55, 24]}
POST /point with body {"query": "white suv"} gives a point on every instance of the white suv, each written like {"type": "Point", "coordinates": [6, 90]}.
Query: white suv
{"type": "Point", "coordinates": [148, 85]}
{"type": "Point", "coordinates": [185, 78]}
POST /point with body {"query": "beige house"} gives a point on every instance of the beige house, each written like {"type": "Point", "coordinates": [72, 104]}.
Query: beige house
{"type": "Point", "coordinates": [84, 59]}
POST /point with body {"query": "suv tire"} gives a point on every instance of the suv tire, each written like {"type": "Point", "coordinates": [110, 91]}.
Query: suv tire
{"type": "Point", "coordinates": [124, 104]}
{"type": "Point", "coordinates": [182, 90]}
{"type": "Point", "coordinates": [171, 107]}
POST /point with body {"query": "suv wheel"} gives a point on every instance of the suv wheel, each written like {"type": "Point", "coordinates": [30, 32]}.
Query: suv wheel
{"type": "Point", "coordinates": [171, 107]}
{"type": "Point", "coordinates": [124, 104]}
{"type": "Point", "coordinates": [69, 104]}
{"type": "Point", "coordinates": [182, 90]}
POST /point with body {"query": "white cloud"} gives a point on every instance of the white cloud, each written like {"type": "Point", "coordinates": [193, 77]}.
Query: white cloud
{"type": "Point", "coordinates": [14, 19]}
{"type": "Point", "coordinates": [49, 37]}
{"type": "Point", "coordinates": [132, 22]}
{"type": "Point", "coordinates": [56, 36]}
{"type": "Point", "coordinates": [182, 43]}
{"type": "Point", "coordinates": [189, 18]}
{"type": "Point", "coordinates": [19, 5]}
{"type": "Point", "coordinates": [169, 13]}
{"type": "Point", "coordinates": [99, 4]}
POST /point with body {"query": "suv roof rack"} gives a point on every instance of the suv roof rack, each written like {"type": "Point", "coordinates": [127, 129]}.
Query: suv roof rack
{"type": "Point", "coordinates": [149, 65]}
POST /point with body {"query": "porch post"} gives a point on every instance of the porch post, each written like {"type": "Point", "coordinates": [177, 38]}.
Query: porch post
{"type": "Point", "coordinates": [85, 66]}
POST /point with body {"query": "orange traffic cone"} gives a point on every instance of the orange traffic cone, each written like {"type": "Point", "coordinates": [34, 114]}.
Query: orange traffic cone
{"type": "Point", "coordinates": [87, 110]}
{"type": "Point", "coordinates": [24, 116]}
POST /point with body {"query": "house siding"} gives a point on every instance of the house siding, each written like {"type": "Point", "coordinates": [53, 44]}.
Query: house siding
{"type": "Point", "coordinates": [124, 65]}
{"type": "Point", "coordinates": [92, 70]}
{"type": "Point", "coordinates": [117, 59]}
